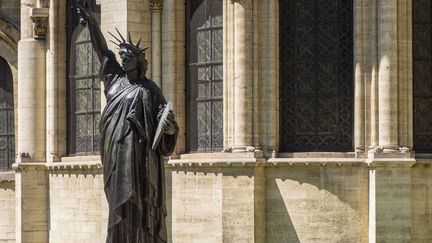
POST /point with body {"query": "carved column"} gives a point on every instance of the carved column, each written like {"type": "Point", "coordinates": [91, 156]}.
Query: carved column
{"type": "Point", "coordinates": [388, 75]}
{"type": "Point", "coordinates": [31, 181]}
{"type": "Point", "coordinates": [243, 121]}
{"type": "Point", "coordinates": [156, 58]}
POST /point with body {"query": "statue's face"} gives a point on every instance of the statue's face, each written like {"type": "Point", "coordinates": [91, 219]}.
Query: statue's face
{"type": "Point", "coordinates": [128, 60]}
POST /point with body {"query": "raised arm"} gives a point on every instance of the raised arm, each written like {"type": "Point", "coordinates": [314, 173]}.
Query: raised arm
{"type": "Point", "coordinates": [97, 38]}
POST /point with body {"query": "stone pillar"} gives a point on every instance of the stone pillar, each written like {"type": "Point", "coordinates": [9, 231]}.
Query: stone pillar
{"type": "Point", "coordinates": [56, 85]}
{"type": "Point", "coordinates": [388, 74]}
{"type": "Point", "coordinates": [31, 90]}
{"type": "Point", "coordinates": [173, 63]}
{"type": "Point", "coordinates": [243, 98]}
{"type": "Point", "coordinates": [156, 58]}
{"type": "Point", "coordinates": [268, 78]}
{"type": "Point", "coordinates": [32, 221]}
{"type": "Point", "coordinates": [359, 64]}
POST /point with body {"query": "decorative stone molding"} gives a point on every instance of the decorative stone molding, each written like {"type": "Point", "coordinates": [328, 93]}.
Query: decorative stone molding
{"type": "Point", "coordinates": [391, 163]}
{"type": "Point", "coordinates": [26, 167]}
{"type": "Point", "coordinates": [68, 166]}
{"type": "Point", "coordinates": [7, 177]}
{"type": "Point", "coordinates": [39, 16]}
{"type": "Point", "coordinates": [218, 160]}
{"type": "Point", "coordinates": [316, 162]}
{"type": "Point", "coordinates": [156, 5]}
{"type": "Point", "coordinates": [399, 153]}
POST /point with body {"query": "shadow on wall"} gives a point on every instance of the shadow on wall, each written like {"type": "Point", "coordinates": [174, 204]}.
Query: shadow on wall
{"type": "Point", "coordinates": [301, 204]}
{"type": "Point", "coordinates": [316, 204]}
{"type": "Point", "coordinates": [279, 227]}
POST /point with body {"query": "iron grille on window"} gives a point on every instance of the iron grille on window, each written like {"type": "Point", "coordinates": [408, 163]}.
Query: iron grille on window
{"type": "Point", "coordinates": [7, 132]}
{"type": "Point", "coordinates": [204, 75]}
{"type": "Point", "coordinates": [316, 75]}
{"type": "Point", "coordinates": [422, 74]}
{"type": "Point", "coordinates": [84, 88]}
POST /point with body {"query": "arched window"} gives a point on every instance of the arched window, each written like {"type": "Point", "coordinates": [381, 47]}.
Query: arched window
{"type": "Point", "coordinates": [7, 132]}
{"type": "Point", "coordinates": [204, 75]}
{"type": "Point", "coordinates": [422, 75]}
{"type": "Point", "coordinates": [84, 94]}
{"type": "Point", "coordinates": [316, 75]}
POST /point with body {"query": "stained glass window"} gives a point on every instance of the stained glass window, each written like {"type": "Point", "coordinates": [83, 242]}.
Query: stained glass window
{"type": "Point", "coordinates": [316, 75]}
{"type": "Point", "coordinates": [204, 75]}
{"type": "Point", "coordinates": [422, 74]}
{"type": "Point", "coordinates": [84, 88]}
{"type": "Point", "coordinates": [7, 132]}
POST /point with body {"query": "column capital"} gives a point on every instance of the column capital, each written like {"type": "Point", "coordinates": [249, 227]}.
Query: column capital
{"type": "Point", "coordinates": [39, 17]}
{"type": "Point", "coordinates": [155, 5]}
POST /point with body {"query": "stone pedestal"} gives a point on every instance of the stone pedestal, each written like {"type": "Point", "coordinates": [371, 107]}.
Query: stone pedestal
{"type": "Point", "coordinates": [32, 203]}
{"type": "Point", "coordinates": [390, 197]}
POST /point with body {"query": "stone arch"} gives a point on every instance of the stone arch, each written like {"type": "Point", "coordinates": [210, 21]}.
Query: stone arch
{"type": "Point", "coordinates": [9, 37]}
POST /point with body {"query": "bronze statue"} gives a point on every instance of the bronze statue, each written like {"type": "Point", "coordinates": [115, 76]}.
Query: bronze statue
{"type": "Point", "coordinates": [133, 171]}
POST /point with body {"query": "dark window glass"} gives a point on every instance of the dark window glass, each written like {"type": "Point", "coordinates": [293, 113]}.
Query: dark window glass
{"type": "Point", "coordinates": [84, 87]}
{"type": "Point", "coordinates": [7, 133]}
{"type": "Point", "coordinates": [422, 74]}
{"type": "Point", "coordinates": [316, 75]}
{"type": "Point", "coordinates": [204, 75]}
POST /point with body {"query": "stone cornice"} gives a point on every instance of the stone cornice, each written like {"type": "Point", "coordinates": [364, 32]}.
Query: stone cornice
{"type": "Point", "coordinates": [62, 166]}
{"type": "Point", "coordinates": [22, 167]}
{"type": "Point", "coordinates": [7, 177]}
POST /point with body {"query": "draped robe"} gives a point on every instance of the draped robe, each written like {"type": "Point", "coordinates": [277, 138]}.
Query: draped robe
{"type": "Point", "coordinates": [133, 172]}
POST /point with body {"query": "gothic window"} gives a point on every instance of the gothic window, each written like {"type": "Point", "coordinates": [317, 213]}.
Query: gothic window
{"type": "Point", "coordinates": [7, 132]}
{"type": "Point", "coordinates": [422, 75]}
{"type": "Point", "coordinates": [316, 75]}
{"type": "Point", "coordinates": [204, 75]}
{"type": "Point", "coordinates": [84, 88]}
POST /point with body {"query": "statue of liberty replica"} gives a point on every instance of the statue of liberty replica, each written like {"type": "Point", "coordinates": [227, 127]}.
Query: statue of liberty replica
{"type": "Point", "coordinates": [137, 127]}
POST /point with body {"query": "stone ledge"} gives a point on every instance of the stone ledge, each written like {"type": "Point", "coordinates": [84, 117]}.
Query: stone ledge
{"type": "Point", "coordinates": [330, 162]}
{"type": "Point", "coordinates": [221, 159]}
{"type": "Point", "coordinates": [89, 158]}
{"type": "Point", "coordinates": [351, 155]}
{"type": "Point", "coordinates": [244, 160]}
{"type": "Point", "coordinates": [88, 165]}
{"type": "Point", "coordinates": [7, 176]}
{"type": "Point", "coordinates": [20, 167]}
{"type": "Point", "coordinates": [391, 162]}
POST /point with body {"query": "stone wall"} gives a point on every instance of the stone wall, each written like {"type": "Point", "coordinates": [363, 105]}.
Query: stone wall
{"type": "Point", "coordinates": [216, 200]}
{"type": "Point", "coordinates": [7, 210]}
{"type": "Point", "coordinates": [267, 202]}
{"type": "Point", "coordinates": [78, 208]}
{"type": "Point", "coordinates": [421, 202]}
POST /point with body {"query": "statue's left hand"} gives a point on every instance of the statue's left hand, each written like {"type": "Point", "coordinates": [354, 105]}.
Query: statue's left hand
{"type": "Point", "coordinates": [170, 126]}
{"type": "Point", "coordinates": [84, 13]}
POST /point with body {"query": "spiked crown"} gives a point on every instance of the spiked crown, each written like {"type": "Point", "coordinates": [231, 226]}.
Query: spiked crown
{"type": "Point", "coordinates": [123, 44]}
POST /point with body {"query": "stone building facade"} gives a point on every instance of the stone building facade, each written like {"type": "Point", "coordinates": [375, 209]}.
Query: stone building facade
{"type": "Point", "coordinates": [301, 121]}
